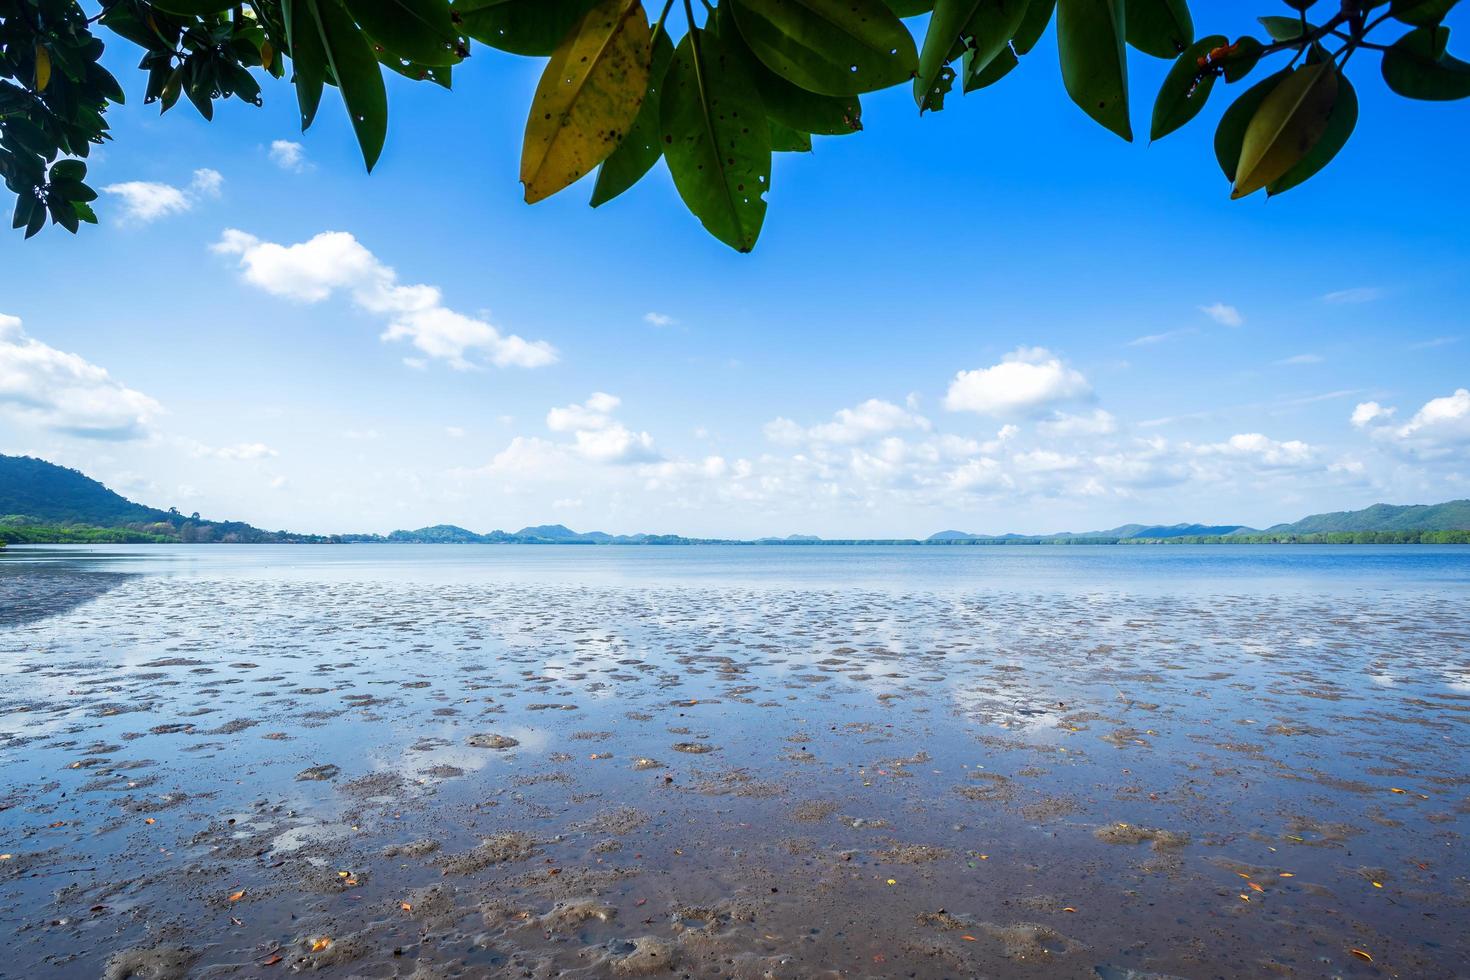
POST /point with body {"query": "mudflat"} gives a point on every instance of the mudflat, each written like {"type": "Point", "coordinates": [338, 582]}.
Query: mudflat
{"type": "Point", "coordinates": [251, 771]}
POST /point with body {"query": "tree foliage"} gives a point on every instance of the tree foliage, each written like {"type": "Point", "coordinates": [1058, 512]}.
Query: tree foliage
{"type": "Point", "coordinates": [744, 80]}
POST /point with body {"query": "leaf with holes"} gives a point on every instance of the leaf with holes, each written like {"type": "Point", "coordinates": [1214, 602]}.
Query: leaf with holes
{"type": "Point", "coordinates": [1286, 125]}
{"type": "Point", "coordinates": [588, 97]}
{"type": "Point", "coordinates": [981, 27]}
{"type": "Point", "coordinates": [789, 105]}
{"type": "Point", "coordinates": [716, 139]}
{"type": "Point", "coordinates": [641, 146]}
{"type": "Point", "coordinates": [355, 69]}
{"type": "Point", "coordinates": [834, 47]}
{"type": "Point", "coordinates": [1094, 65]}
{"type": "Point", "coordinates": [529, 27]}
{"type": "Point", "coordinates": [418, 31]}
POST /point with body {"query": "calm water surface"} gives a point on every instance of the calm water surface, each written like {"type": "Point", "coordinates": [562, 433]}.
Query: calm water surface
{"type": "Point", "coordinates": [475, 761]}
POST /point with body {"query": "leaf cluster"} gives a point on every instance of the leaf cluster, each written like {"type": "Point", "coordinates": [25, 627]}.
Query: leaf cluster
{"type": "Point", "coordinates": [742, 81]}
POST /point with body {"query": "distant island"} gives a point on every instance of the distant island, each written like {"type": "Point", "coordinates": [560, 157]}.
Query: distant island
{"type": "Point", "coordinates": [42, 503]}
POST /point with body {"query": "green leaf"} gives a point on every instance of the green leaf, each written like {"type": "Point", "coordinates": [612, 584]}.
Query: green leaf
{"type": "Point", "coordinates": [1000, 66]}
{"type": "Point", "coordinates": [1339, 127]}
{"type": "Point", "coordinates": [355, 69]}
{"type": "Point", "coordinates": [1033, 25]}
{"type": "Point", "coordinates": [784, 139]}
{"type": "Point", "coordinates": [68, 170]}
{"type": "Point", "coordinates": [529, 27]}
{"type": "Point", "coordinates": [790, 105]}
{"type": "Point", "coordinates": [1230, 134]}
{"type": "Point", "coordinates": [1287, 124]}
{"type": "Point", "coordinates": [587, 98]}
{"type": "Point", "coordinates": [1186, 88]}
{"type": "Point", "coordinates": [1094, 65]}
{"type": "Point", "coordinates": [193, 8]}
{"type": "Point", "coordinates": [641, 146]}
{"type": "Point", "coordinates": [833, 47]}
{"type": "Point", "coordinates": [716, 139]}
{"type": "Point", "coordinates": [1421, 13]}
{"type": "Point", "coordinates": [1285, 28]}
{"type": "Point", "coordinates": [1243, 59]}
{"type": "Point", "coordinates": [414, 30]}
{"type": "Point", "coordinates": [1162, 28]}
{"type": "Point", "coordinates": [987, 26]}
{"type": "Point", "coordinates": [909, 8]}
{"type": "Point", "coordinates": [308, 59]}
{"type": "Point", "coordinates": [1417, 67]}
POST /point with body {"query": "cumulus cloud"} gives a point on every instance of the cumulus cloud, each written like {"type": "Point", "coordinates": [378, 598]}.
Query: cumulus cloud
{"type": "Point", "coordinates": [1223, 314]}
{"type": "Point", "coordinates": [1366, 413]}
{"type": "Point", "coordinates": [1262, 451]}
{"type": "Point", "coordinates": [144, 201]}
{"type": "Point", "coordinates": [1441, 421]}
{"type": "Point", "coordinates": [288, 155]}
{"type": "Point", "coordinates": [1026, 381]}
{"type": "Point", "coordinates": [65, 393]}
{"type": "Point", "coordinates": [659, 319]}
{"type": "Point", "coordinates": [333, 261]}
{"type": "Point", "coordinates": [597, 435]}
{"type": "Point", "coordinates": [870, 420]}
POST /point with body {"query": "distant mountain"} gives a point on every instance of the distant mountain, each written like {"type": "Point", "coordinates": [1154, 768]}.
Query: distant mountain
{"type": "Point", "coordinates": [1453, 515]}
{"type": "Point", "coordinates": [43, 502]}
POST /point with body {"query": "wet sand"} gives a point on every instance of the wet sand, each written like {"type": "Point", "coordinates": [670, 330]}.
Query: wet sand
{"type": "Point", "coordinates": [232, 777]}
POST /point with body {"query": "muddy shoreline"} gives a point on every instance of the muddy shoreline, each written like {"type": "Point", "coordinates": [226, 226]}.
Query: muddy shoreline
{"type": "Point", "coordinates": [209, 777]}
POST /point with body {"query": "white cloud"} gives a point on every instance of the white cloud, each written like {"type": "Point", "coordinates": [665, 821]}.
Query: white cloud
{"type": "Point", "coordinates": [1063, 425]}
{"type": "Point", "coordinates": [1027, 380]}
{"type": "Point", "coordinates": [144, 201]}
{"type": "Point", "coordinates": [62, 392]}
{"type": "Point", "coordinates": [1433, 342]}
{"type": "Point", "coordinates": [311, 271]}
{"type": "Point", "coordinates": [288, 155]}
{"type": "Point", "coordinates": [454, 431]}
{"type": "Point", "coordinates": [659, 319]}
{"type": "Point", "coordinates": [1441, 421]}
{"type": "Point", "coordinates": [243, 451]}
{"type": "Point", "coordinates": [1158, 338]}
{"type": "Point", "coordinates": [1223, 314]}
{"type": "Point", "coordinates": [1263, 451]}
{"type": "Point", "coordinates": [849, 426]}
{"type": "Point", "coordinates": [598, 436]}
{"type": "Point", "coordinates": [1296, 359]}
{"type": "Point", "coordinates": [1368, 412]}
{"type": "Point", "coordinates": [1358, 294]}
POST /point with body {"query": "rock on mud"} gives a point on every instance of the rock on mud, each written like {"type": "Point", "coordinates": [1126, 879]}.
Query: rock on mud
{"type": "Point", "coordinates": [489, 740]}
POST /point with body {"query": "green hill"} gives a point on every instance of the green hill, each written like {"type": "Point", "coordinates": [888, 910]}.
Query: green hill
{"type": "Point", "coordinates": [51, 494]}
{"type": "Point", "coordinates": [1453, 515]}
{"type": "Point", "coordinates": [42, 503]}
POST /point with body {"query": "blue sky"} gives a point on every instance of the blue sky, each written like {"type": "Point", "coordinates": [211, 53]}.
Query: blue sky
{"type": "Point", "coordinates": [1028, 324]}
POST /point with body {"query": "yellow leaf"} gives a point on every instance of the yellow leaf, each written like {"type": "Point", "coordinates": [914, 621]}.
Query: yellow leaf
{"type": "Point", "coordinates": [1362, 954]}
{"type": "Point", "coordinates": [6, 857]}
{"type": "Point", "coordinates": [1256, 887]}
{"type": "Point", "coordinates": [1287, 874]}
{"type": "Point", "coordinates": [405, 906]}
{"type": "Point", "coordinates": [587, 98]}
{"type": "Point", "coordinates": [1377, 884]}
{"type": "Point", "coordinates": [236, 896]}
{"type": "Point", "coordinates": [1287, 124]}
{"type": "Point", "coordinates": [43, 68]}
{"type": "Point", "coordinates": [267, 54]}
{"type": "Point", "coordinates": [317, 945]}
{"type": "Point", "coordinates": [893, 881]}
{"type": "Point", "coordinates": [150, 821]}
